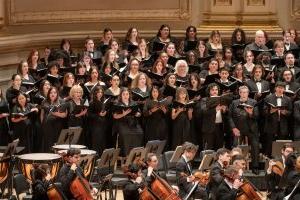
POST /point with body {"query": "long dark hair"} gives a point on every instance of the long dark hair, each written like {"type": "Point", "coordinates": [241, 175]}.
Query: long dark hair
{"type": "Point", "coordinates": [95, 92]}
{"type": "Point", "coordinates": [243, 35]}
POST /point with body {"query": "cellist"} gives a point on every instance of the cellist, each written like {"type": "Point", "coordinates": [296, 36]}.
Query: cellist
{"type": "Point", "coordinates": [229, 187]}
{"type": "Point", "coordinates": [70, 171]}
{"type": "Point", "coordinates": [185, 178]}
{"type": "Point", "coordinates": [135, 184]}
{"type": "Point", "coordinates": [274, 180]}
{"type": "Point", "coordinates": [41, 182]}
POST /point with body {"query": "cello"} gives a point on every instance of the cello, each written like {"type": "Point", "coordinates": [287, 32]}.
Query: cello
{"type": "Point", "coordinates": [247, 192]}
{"type": "Point", "coordinates": [80, 187]}
{"type": "Point", "coordinates": [54, 193]}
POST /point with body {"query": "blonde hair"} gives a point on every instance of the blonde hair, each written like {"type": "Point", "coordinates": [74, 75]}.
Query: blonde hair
{"type": "Point", "coordinates": [182, 90]}
{"type": "Point", "coordinates": [74, 89]}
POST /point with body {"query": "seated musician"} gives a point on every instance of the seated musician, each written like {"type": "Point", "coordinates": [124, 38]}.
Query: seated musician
{"type": "Point", "coordinates": [291, 176]}
{"type": "Point", "coordinates": [152, 165]}
{"type": "Point", "coordinates": [134, 185]}
{"type": "Point", "coordinates": [41, 177]}
{"type": "Point", "coordinates": [273, 179]}
{"type": "Point", "coordinates": [239, 162]}
{"type": "Point", "coordinates": [217, 169]}
{"type": "Point", "coordinates": [228, 188]}
{"type": "Point", "coordinates": [185, 178]}
{"type": "Point", "coordinates": [69, 172]}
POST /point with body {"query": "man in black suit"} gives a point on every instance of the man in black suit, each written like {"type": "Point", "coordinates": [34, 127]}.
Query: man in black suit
{"type": "Point", "coordinates": [228, 189]}
{"type": "Point", "coordinates": [185, 179]}
{"type": "Point", "coordinates": [213, 119]}
{"type": "Point", "coordinates": [274, 181]}
{"type": "Point", "coordinates": [92, 52]}
{"type": "Point", "coordinates": [287, 41]}
{"type": "Point", "coordinates": [277, 109]}
{"type": "Point", "coordinates": [289, 60]}
{"type": "Point", "coordinates": [242, 116]}
{"type": "Point", "coordinates": [259, 42]}
{"type": "Point", "coordinates": [217, 170]}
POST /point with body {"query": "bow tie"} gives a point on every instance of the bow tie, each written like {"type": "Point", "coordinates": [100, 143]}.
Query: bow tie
{"type": "Point", "coordinates": [257, 81]}
{"type": "Point", "coordinates": [280, 97]}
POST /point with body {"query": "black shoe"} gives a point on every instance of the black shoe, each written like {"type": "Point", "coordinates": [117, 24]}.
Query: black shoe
{"type": "Point", "coordinates": [255, 171]}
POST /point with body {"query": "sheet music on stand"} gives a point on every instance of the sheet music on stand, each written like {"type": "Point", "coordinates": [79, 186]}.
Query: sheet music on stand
{"type": "Point", "coordinates": [69, 136]}
{"type": "Point", "coordinates": [177, 154]}
{"type": "Point", "coordinates": [138, 152]}
{"type": "Point", "coordinates": [155, 146]}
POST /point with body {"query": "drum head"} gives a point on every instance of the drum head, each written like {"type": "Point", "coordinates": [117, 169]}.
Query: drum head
{"type": "Point", "coordinates": [83, 152]}
{"type": "Point", "coordinates": [39, 156]}
{"type": "Point", "coordinates": [66, 146]}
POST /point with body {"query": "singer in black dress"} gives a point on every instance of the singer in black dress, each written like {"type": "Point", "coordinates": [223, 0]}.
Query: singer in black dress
{"type": "Point", "coordinates": [52, 117]}
{"type": "Point", "coordinates": [155, 112]}
{"type": "Point", "coordinates": [23, 125]}
{"type": "Point", "coordinates": [97, 120]}
{"type": "Point", "coordinates": [4, 113]}
{"type": "Point", "coordinates": [181, 127]}
{"type": "Point", "coordinates": [126, 124]}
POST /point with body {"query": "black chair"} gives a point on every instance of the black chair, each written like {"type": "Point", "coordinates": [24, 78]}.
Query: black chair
{"type": "Point", "coordinates": [21, 185]}
{"type": "Point", "coordinates": [170, 167]}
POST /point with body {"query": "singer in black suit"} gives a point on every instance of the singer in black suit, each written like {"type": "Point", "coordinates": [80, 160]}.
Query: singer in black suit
{"type": "Point", "coordinates": [185, 178]}
{"type": "Point", "coordinates": [277, 109]}
{"type": "Point", "coordinates": [242, 117]}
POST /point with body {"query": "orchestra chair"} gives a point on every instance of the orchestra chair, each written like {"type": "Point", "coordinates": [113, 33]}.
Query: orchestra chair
{"type": "Point", "coordinates": [21, 186]}
{"type": "Point", "coordinates": [170, 167]}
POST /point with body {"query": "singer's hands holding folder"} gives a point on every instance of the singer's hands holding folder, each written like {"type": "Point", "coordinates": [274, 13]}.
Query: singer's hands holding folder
{"type": "Point", "coordinates": [82, 113]}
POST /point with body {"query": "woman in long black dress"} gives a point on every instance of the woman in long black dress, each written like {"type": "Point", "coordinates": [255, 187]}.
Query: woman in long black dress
{"type": "Point", "coordinates": [181, 117]}
{"type": "Point", "coordinates": [52, 114]}
{"type": "Point", "coordinates": [68, 83]}
{"type": "Point", "coordinates": [97, 120]}
{"type": "Point", "coordinates": [13, 91]}
{"type": "Point", "coordinates": [77, 111]}
{"type": "Point", "coordinates": [155, 112]}
{"type": "Point", "coordinates": [4, 113]}
{"type": "Point", "coordinates": [23, 71]}
{"type": "Point", "coordinates": [126, 125]}
{"type": "Point", "coordinates": [22, 125]}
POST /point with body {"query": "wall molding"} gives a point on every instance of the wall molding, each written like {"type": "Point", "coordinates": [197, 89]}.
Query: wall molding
{"type": "Point", "coordinates": [183, 12]}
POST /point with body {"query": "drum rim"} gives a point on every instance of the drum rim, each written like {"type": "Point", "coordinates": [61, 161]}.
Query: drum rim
{"type": "Point", "coordinates": [92, 152]}
{"type": "Point", "coordinates": [45, 157]}
{"type": "Point", "coordinates": [67, 146]}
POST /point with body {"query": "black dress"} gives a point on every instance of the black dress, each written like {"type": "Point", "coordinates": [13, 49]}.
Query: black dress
{"type": "Point", "coordinates": [97, 125]}
{"type": "Point", "coordinates": [4, 134]}
{"type": "Point", "coordinates": [129, 131]}
{"type": "Point", "coordinates": [24, 129]}
{"type": "Point", "coordinates": [181, 129]}
{"type": "Point", "coordinates": [11, 95]}
{"type": "Point", "coordinates": [39, 190]}
{"type": "Point", "coordinates": [156, 124]}
{"type": "Point", "coordinates": [51, 125]}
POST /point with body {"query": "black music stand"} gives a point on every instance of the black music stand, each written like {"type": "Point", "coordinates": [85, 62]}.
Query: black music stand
{"type": "Point", "coordinates": [69, 136]}
{"type": "Point", "coordinates": [177, 154]}
{"type": "Point", "coordinates": [105, 170]}
{"type": "Point", "coordinates": [155, 146]}
{"type": "Point", "coordinates": [87, 161]}
{"type": "Point", "coordinates": [9, 156]}
{"type": "Point", "coordinates": [138, 152]}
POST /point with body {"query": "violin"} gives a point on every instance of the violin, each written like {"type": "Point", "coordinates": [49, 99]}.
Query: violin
{"type": "Point", "coordinates": [202, 177]}
{"type": "Point", "coordinates": [278, 168]}
{"type": "Point", "coordinates": [80, 187]}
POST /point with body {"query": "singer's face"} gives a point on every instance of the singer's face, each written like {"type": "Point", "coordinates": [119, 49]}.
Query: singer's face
{"type": "Point", "coordinates": [74, 159]}
{"type": "Point", "coordinates": [53, 95]}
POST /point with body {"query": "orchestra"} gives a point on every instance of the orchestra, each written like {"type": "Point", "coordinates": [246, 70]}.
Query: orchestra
{"type": "Point", "coordinates": [194, 93]}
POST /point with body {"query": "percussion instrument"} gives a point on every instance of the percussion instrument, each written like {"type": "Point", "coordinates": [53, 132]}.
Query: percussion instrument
{"type": "Point", "coordinates": [4, 166]}
{"type": "Point", "coordinates": [26, 162]}
{"type": "Point", "coordinates": [67, 146]}
{"type": "Point", "coordinates": [87, 158]}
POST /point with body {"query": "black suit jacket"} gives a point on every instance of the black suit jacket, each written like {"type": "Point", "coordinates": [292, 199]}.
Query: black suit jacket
{"type": "Point", "coordinates": [271, 119]}
{"type": "Point", "coordinates": [292, 178]}
{"type": "Point", "coordinates": [251, 84]}
{"type": "Point", "coordinates": [208, 116]}
{"type": "Point", "coordinates": [224, 192]}
{"type": "Point", "coordinates": [297, 120]}
{"type": "Point", "coordinates": [216, 178]}
{"type": "Point", "coordinates": [240, 119]}
{"type": "Point", "coordinates": [130, 191]}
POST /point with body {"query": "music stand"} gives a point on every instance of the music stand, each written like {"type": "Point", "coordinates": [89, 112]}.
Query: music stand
{"type": "Point", "coordinates": [177, 154]}
{"type": "Point", "coordinates": [69, 136]}
{"type": "Point", "coordinates": [11, 149]}
{"type": "Point", "coordinates": [155, 146]}
{"type": "Point", "coordinates": [86, 163]}
{"type": "Point", "coordinates": [109, 158]}
{"type": "Point", "coordinates": [206, 162]}
{"type": "Point", "coordinates": [135, 153]}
